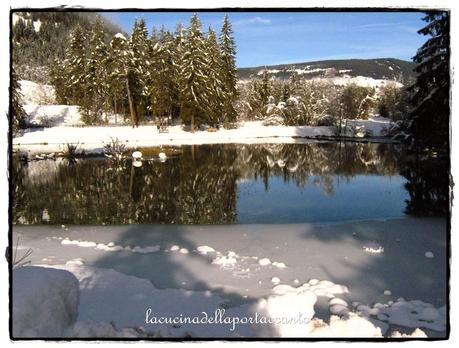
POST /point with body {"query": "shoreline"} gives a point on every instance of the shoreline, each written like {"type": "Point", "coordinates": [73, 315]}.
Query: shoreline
{"type": "Point", "coordinates": [93, 139]}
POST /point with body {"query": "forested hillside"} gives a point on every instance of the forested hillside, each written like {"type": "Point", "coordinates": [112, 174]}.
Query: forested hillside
{"type": "Point", "coordinates": [384, 68]}
{"type": "Point", "coordinates": [41, 37]}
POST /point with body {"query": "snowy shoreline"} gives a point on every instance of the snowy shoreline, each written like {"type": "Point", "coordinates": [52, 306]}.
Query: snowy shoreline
{"type": "Point", "coordinates": [93, 139]}
{"type": "Point", "coordinates": [247, 269]}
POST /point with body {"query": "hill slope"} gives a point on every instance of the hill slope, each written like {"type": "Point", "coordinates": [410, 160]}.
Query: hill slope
{"type": "Point", "coordinates": [382, 68]}
{"type": "Point", "coordinates": [40, 37]}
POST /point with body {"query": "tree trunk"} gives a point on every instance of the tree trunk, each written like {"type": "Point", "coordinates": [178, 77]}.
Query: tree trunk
{"type": "Point", "coordinates": [131, 106]}
{"type": "Point", "coordinates": [116, 111]}
{"type": "Point", "coordinates": [192, 123]}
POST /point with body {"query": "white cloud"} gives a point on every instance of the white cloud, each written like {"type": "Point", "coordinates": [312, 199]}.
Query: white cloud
{"type": "Point", "coordinates": [253, 20]}
{"type": "Point", "coordinates": [388, 26]}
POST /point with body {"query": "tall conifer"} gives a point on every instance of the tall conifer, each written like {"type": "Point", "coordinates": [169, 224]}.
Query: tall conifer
{"type": "Point", "coordinates": [228, 69]}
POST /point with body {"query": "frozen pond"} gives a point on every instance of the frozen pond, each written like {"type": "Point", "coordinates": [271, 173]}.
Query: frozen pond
{"type": "Point", "coordinates": [217, 184]}
{"type": "Point", "coordinates": [375, 266]}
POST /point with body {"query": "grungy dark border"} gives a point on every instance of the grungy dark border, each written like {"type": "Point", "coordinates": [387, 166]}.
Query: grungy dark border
{"type": "Point", "coordinates": [8, 252]}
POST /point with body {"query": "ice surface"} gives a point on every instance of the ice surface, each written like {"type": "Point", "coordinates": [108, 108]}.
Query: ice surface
{"type": "Point", "coordinates": [222, 266]}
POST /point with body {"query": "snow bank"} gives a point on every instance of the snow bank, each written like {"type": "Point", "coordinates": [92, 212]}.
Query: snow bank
{"type": "Point", "coordinates": [293, 307]}
{"type": "Point", "coordinates": [354, 326]}
{"type": "Point", "coordinates": [93, 139]}
{"type": "Point", "coordinates": [375, 126]}
{"type": "Point", "coordinates": [53, 115]}
{"type": "Point", "coordinates": [35, 93]}
{"type": "Point", "coordinates": [45, 301]}
{"type": "Point", "coordinates": [130, 298]}
{"type": "Point", "coordinates": [292, 311]}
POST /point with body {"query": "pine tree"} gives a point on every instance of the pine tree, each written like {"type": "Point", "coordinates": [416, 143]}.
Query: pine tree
{"type": "Point", "coordinates": [285, 92]}
{"type": "Point", "coordinates": [154, 38]}
{"type": "Point", "coordinates": [265, 88]}
{"type": "Point", "coordinates": [95, 75]}
{"type": "Point", "coordinates": [219, 98]}
{"type": "Point", "coordinates": [17, 113]}
{"type": "Point", "coordinates": [140, 62]}
{"type": "Point", "coordinates": [228, 69]}
{"type": "Point", "coordinates": [116, 73]}
{"type": "Point", "coordinates": [122, 57]}
{"type": "Point", "coordinates": [162, 87]}
{"type": "Point", "coordinates": [176, 55]}
{"type": "Point", "coordinates": [76, 63]}
{"type": "Point", "coordinates": [428, 123]}
{"type": "Point", "coordinates": [294, 82]}
{"type": "Point", "coordinates": [194, 84]}
{"type": "Point", "coordinates": [59, 80]}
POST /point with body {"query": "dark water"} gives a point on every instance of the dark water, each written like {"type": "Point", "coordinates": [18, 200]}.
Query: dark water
{"type": "Point", "coordinates": [218, 184]}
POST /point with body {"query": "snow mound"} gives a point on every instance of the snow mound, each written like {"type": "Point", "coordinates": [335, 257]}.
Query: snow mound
{"type": "Point", "coordinates": [226, 261]}
{"type": "Point", "coordinates": [264, 261]}
{"type": "Point", "coordinates": [279, 264]}
{"type": "Point", "coordinates": [375, 126]}
{"type": "Point", "coordinates": [35, 93]}
{"type": "Point", "coordinates": [371, 250]}
{"type": "Point", "coordinates": [354, 326]}
{"type": "Point", "coordinates": [429, 254]}
{"type": "Point", "coordinates": [290, 312]}
{"type": "Point", "coordinates": [416, 333]}
{"type": "Point", "coordinates": [45, 301]}
{"type": "Point", "coordinates": [53, 115]}
{"type": "Point", "coordinates": [205, 249]}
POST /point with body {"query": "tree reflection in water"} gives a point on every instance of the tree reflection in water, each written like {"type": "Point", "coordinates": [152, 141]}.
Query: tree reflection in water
{"type": "Point", "coordinates": [200, 185]}
{"type": "Point", "coordinates": [428, 186]}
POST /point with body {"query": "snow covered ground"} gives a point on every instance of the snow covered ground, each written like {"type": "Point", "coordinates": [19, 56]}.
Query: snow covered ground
{"type": "Point", "coordinates": [382, 278]}
{"type": "Point", "coordinates": [363, 81]}
{"type": "Point", "coordinates": [93, 139]}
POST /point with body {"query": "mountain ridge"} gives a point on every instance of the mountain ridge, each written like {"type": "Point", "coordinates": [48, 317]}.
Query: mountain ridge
{"type": "Point", "coordinates": [376, 68]}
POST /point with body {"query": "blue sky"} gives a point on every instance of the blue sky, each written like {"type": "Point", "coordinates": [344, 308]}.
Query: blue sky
{"type": "Point", "coordinates": [267, 38]}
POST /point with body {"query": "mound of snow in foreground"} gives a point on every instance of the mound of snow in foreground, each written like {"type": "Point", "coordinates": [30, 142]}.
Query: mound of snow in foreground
{"type": "Point", "coordinates": [46, 300]}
